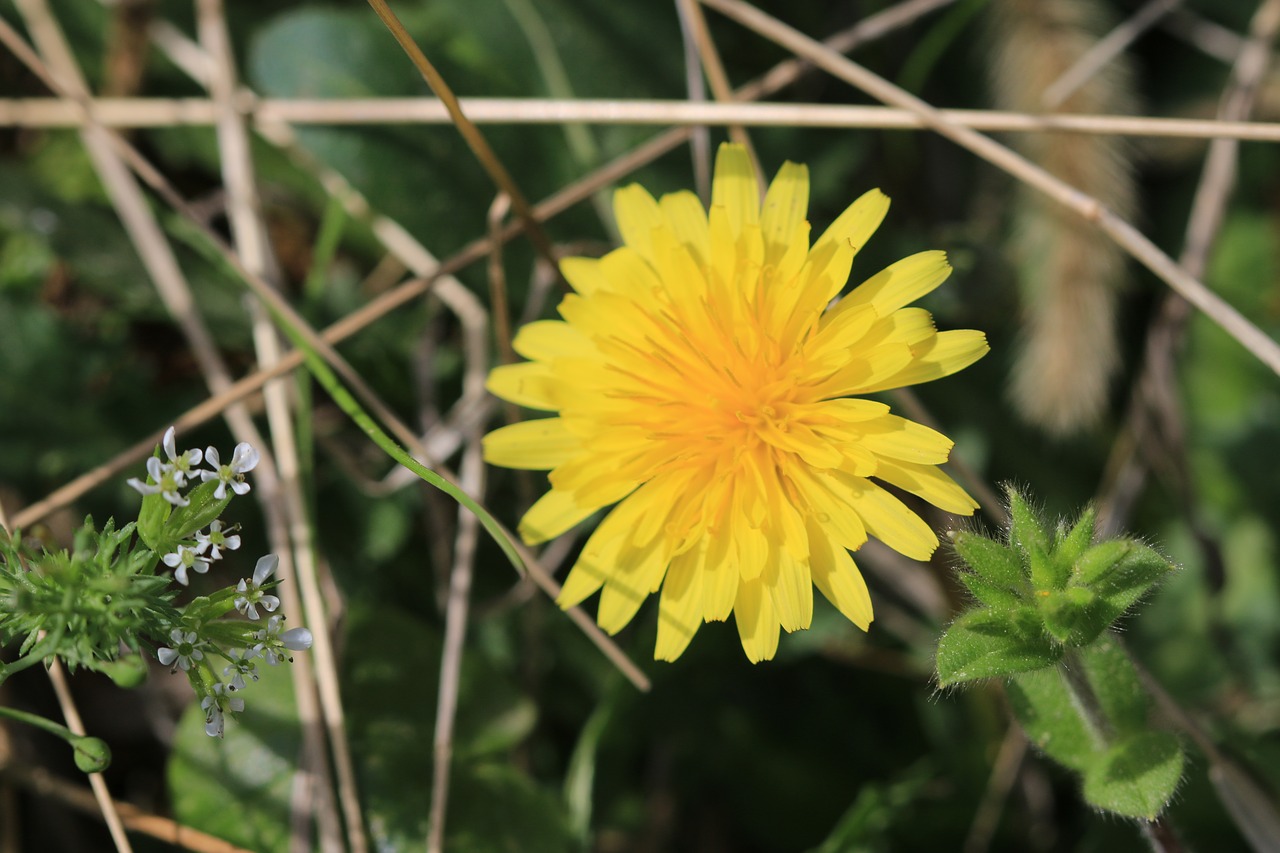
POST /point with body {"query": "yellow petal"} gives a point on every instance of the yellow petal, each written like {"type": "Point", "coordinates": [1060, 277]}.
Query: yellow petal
{"type": "Point", "coordinates": [945, 354]}
{"type": "Point", "coordinates": [543, 340]}
{"type": "Point", "coordinates": [869, 370]}
{"type": "Point", "coordinates": [630, 274]}
{"type": "Point", "coordinates": [680, 608]}
{"type": "Point", "coordinates": [535, 445]}
{"type": "Point", "coordinates": [830, 505]}
{"type": "Point", "coordinates": [552, 514]}
{"type": "Point", "coordinates": [908, 441]}
{"type": "Point", "coordinates": [530, 385]}
{"type": "Point", "coordinates": [584, 275]}
{"type": "Point", "coordinates": [734, 188]}
{"type": "Point", "coordinates": [791, 591]}
{"type": "Point", "coordinates": [837, 577]}
{"type": "Point", "coordinates": [638, 573]}
{"type": "Point", "coordinates": [851, 231]}
{"type": "Point", "coordinates": [757, 624]}
{"type": "Point", "coordinates": [688, 221]}
{"type": "Point", "coordinates": [902, 283]}
{"type": "Point", "coordinates": [720, 580]}
{"type": "Point", "coordinates": [927, 482]}
{"type": "Point", "coordinates": [637, 214]}
{"type": "Point", "coordinates": [889, 520]}
{"type": "Point", "coordinates": [785, 206]}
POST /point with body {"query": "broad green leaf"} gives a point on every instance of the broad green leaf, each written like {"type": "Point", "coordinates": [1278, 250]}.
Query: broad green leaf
{"type": "Point", "coordinates": [996, 562]}
{"type": "Point", "coordinates": [238, 787]}
{"type": "Point", "coordinates": [987, 644]}
{"type": "Point", "coordinates": [1137, 777]}
{"type": "Point", "coordinates": [1116, 686]}
{"type": "Point", "coordinates": [1049, 715]}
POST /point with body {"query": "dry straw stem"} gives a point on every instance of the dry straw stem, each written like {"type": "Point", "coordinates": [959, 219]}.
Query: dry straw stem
{"type": "Point", "coordinates": [1130, 239]}
{"type": "Point", "coordinates": [106, 805]}
{"type": "Point", "coordinates": [268, 114]}
{"type": "Point", "coordinates": [300, 587]}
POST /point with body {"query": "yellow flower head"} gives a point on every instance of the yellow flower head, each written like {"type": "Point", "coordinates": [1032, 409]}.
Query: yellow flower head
{"type": "Point", "coordinates": [704, 386]}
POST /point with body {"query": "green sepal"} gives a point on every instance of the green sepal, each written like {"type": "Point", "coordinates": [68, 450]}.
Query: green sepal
{"type": "Point", "coordinates": [994, 561]}
{"type": "Point", "coordinates": [988, 644]}
{"type": "Point", "coordinates": [1136, 777]}
{"type": "Point", "coordinates": [1070, 615]}
{"type": "Point", "coordinates": [993, 595]}
{"type": "Point", "coordinates": [1044, 707]}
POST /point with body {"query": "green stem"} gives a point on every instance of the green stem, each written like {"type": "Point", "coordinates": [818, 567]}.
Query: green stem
{"type": "Point", "coordinates": [39, 722]}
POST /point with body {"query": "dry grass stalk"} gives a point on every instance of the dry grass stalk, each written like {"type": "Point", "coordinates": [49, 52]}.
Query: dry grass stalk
{"type": "Point", "coordinates": [1070, 273]}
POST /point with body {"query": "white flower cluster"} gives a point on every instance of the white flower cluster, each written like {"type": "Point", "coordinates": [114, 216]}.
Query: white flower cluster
{"type": "Point", "coordinates": [168, 479]}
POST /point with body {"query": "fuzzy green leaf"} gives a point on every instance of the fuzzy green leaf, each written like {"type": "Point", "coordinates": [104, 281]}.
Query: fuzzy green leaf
{"type": "Point", "coordinates": [1095, 564]}
{"type": "Point", "coordinates": [1137, 777]}
{"type": "Point", "coordinates": [1073, 543]}
{"type": "Point", "coordinates": [1026, 529]}
{"type": "Point", "coordinates": [991, 594]}
{"type": "Point", "coordinates": [1051, 719]}
{"type": "Point", "coordinates": [994, 561]}
{"type": "Point", "coordinates": [988, 644]}
{"type": "Point", "coordinates": [1116, 686]}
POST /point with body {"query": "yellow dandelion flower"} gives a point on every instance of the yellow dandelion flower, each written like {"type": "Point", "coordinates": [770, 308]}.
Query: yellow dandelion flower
{"type": "Point", "coordinates": [705, 386]}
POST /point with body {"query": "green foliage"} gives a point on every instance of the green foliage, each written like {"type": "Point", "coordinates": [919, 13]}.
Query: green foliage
{"type": "Point", "coordinates": [1046, 602]}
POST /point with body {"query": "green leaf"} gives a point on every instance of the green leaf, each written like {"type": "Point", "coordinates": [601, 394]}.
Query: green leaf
{"type": "Point", "coordinates": [1026, 529]}
{"type": "Point", "coordinates": [202, 508]}
{"type": "Point", "coordinates": [1098, 562]}
{"type": "Point", "coordinates": [1071, 545]}
{"type": "Point", "coordinates": [993, 595]}
{"type": "Point", "coordinates": [1137, 777]}
{"type": "Point", "coordinates": [238, 787]}
{"type": "Point", "coordinates": [1116, 686]}
{"type": "Point", "coordinates": [1043, 704]}
{"type": "Point", "coordinates": [996, 562]}
{"type": "Point", "coordinates": [151, 518]}
{"type": "Point", "coordinates": [987, 644]}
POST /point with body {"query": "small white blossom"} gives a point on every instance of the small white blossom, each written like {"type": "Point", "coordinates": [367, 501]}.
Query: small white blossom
{"type": "Point", "coordinates": [215, 707]}
{"type": "Point", "coordinates": [215, 540]}
{"type": "Point", "coordinates": [240, 668]}
{"type": "Point", "coordinates": [271, 640]}
{"type": "Point", "coordinates": [251, 596]}
{"type": "Point", "coordinates": [165, 480]}
{"type": "Point", "coordinates": [185, 651]}
{"type": "Point", "coordinates": [243, 460]}
{"type": "Point", "coordinates": [183, 463]}
{"type": "Point", "coordinates": [183, 560]}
